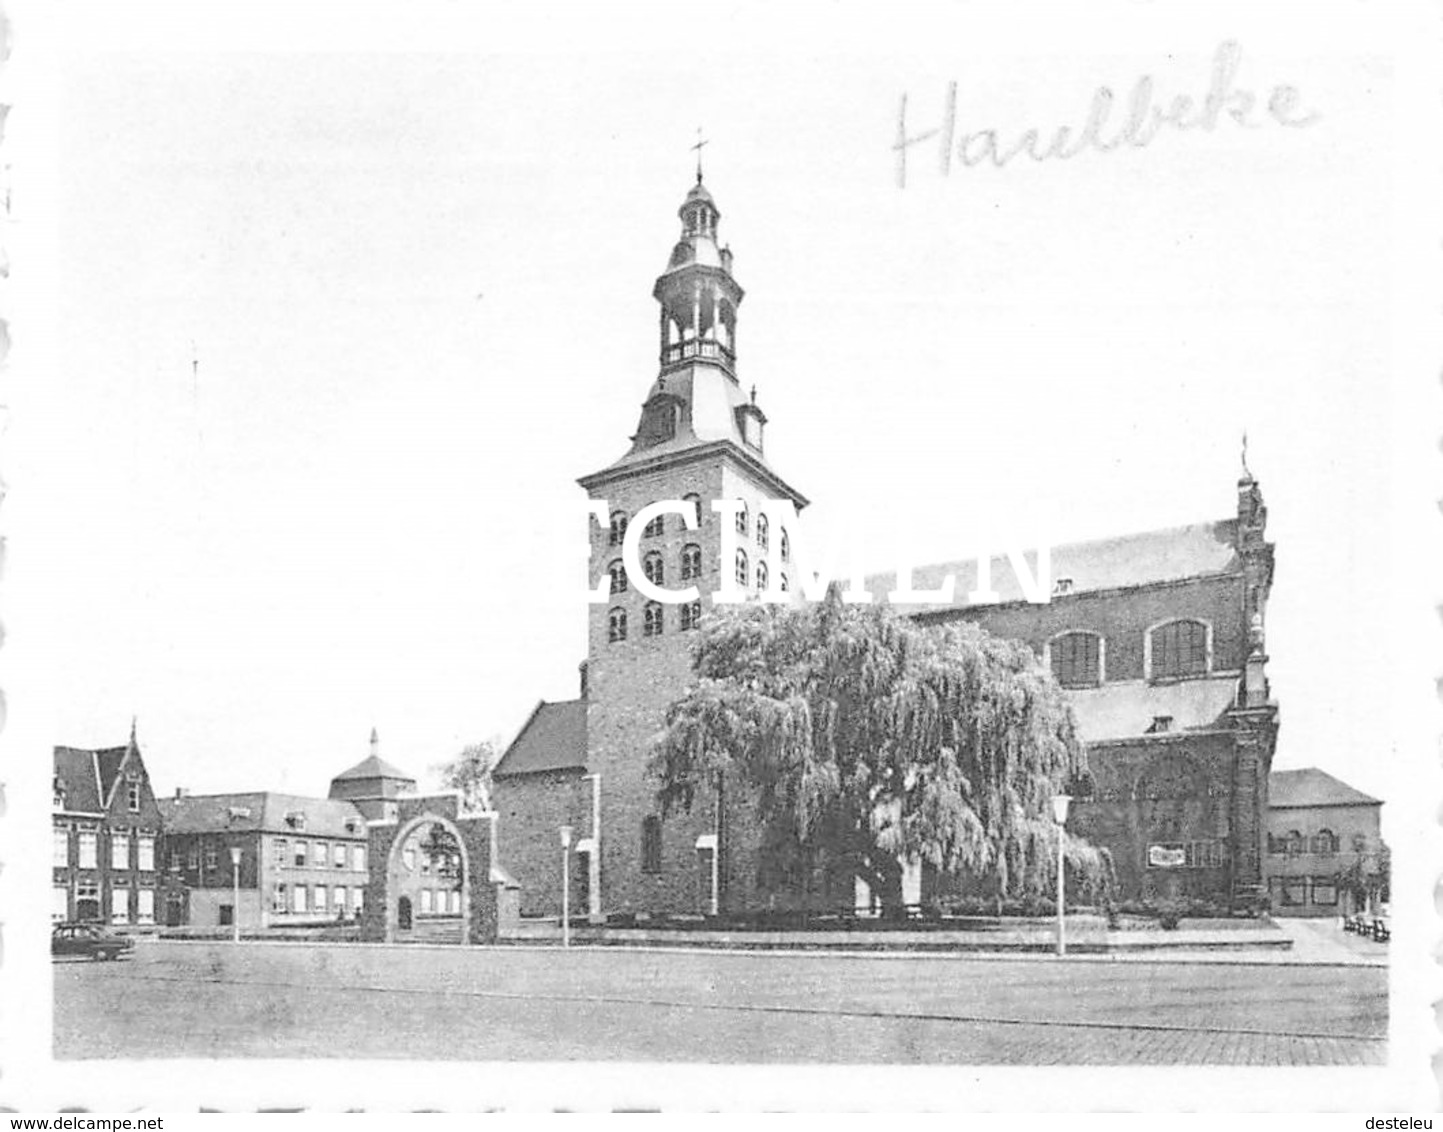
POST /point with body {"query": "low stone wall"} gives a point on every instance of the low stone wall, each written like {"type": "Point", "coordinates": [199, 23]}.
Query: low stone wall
{"type": "Point", "coordinates": [1086, 936]}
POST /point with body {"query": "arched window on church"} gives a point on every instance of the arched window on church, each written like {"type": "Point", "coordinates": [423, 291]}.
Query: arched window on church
{"type": "Point", "coordinates": [761, 575]}
{"type": "Point", "coordinates": [1177, 649]}
{"type": "Point", "coordinates": [618, 527]}
{"type": "Point", "coordinates": [653, 619]}
{"type": "Point", "coordinates": [786, 546]}
{"type": "Point", "coordinates": [1294, 843]}
{"type": "Point", "coordinates": [656, 527]}
{"type": "Point", "coordinates": [654, 569]}
{"type": "Point", "coordinates": [742, 572]}
{"type": "Point", "coordinates": [690, 562]}
{"type": "Point", "coordinates": [690, 616]}
{"type": "Point", "coordinates": [618, 577]}
{"type": "Point", "coordinates": [695, 501]}
{"type": "Point", "coordinates": [782, 583]}
{"type": "Point", "coordinates": [763, 531]}
{"type": "Point", "coordinates": [616, 625]}
{"type": "Point", "coordinates": [742, 520]}
{"type": "Point", "coordinates": [1076, 659]}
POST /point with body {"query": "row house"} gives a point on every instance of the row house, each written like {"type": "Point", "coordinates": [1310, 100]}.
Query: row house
{"type": "Point", "coordinates": [262, 859]}
{"type": "Point", "coordinates": [106, 829]}
{"type": "Point", "coordinates": [1326, 855]}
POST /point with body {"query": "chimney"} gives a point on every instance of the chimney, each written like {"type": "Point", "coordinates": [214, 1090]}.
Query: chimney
{"type": "Point", "coordinates": [181, 792]}
{"type": "Point", "coordinates": [375, 744]}
{"type": "Point", "coordinates": [581, 668]}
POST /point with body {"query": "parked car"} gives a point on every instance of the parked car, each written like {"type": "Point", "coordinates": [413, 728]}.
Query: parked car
{"type": "Point", "coordinates": [88, 939]}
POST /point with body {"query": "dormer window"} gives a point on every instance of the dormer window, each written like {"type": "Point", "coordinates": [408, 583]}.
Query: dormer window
{"type": "Point", "coordinates": [1061, 587]}
{"type": "Point", "coordinates": [1160, 725]}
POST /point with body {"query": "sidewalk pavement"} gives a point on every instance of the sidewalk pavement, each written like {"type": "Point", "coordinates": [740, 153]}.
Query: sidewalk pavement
{"type": "Point", "coordinates": [1325, 941]}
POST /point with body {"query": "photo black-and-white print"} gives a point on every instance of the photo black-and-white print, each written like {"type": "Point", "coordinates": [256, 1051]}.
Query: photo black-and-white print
{"type": "Point", "coordinates": [713, 558]}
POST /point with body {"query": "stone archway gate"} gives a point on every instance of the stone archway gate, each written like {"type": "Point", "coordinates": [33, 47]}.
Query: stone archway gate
{"type": "Point", "coordinates": [475, 832]}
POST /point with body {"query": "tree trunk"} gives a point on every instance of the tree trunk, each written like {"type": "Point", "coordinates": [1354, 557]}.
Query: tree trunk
{"type": "Point", "coordinates": [884, 876]}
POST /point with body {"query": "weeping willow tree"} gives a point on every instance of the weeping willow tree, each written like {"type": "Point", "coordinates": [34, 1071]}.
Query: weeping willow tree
{"type": "Point", "coordinates": [866, 736]}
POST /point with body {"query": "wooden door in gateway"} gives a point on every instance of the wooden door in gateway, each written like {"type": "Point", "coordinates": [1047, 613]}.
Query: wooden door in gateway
{"type": "Point", "coordinates": [403, 914]}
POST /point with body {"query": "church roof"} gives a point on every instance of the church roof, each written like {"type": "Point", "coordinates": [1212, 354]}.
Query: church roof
{"type": "Point", "coordinates": [1164, 555]}
{"type": "Point", "coordinates": [1313, 787]}
{"type": "Point", "coordinates": [373, 766]}
{"type": "Point", "coordinates": [263, 811]}
{"type": "Point", "coordinates": [1130, 709]}
{"type": "Point", "coordinates": [554, 738]}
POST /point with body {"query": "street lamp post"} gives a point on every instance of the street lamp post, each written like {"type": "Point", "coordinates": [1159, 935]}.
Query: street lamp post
{"type": "Point", "coordinates": [565, 886]}
{"type": "Point", "coordinates": [235, 856]}
{"type": "Point", "coordinates": [1060, 802]}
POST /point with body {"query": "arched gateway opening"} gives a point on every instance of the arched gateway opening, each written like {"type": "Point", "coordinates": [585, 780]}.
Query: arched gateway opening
{"type": "Point", "coordinates": [432, 863]}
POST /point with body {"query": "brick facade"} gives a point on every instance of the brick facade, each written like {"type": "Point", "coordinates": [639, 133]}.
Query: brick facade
{"type": "Point", "coordinates": [302, 860]}
{"type": "Point", "coordinates": [482, 885]}
{"type": "Point", "coordinates": [1316, 833]}
{"type": "Point", "coordinates": [107, 837]}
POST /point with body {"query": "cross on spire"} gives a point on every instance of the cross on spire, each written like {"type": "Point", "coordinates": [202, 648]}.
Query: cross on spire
{"type": "Point", "coordinates": [700, 141]}
{"type": "Point", "coordinates": [1247, 473]}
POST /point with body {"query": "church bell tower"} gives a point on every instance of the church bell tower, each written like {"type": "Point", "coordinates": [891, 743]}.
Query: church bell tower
{"type": "Point", "coordinates": [699, 438]}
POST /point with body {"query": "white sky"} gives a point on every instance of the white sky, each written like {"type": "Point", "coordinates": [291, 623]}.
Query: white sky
{"type": "Point", "coordinates": [418, 286]}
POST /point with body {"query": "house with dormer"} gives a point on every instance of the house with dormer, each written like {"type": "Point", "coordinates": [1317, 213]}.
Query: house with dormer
{"type": "Point", "coordinates": [106, 828]}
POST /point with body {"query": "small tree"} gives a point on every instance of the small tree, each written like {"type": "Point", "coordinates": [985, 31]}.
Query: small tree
{"type": "Point", "coordinates": [444, 852]}
{"type": "Point", "coordinates": [867, 737]}
{"type": "Point", "coordinates": [1364, 880]}
{"type": "Point", "coordinates": [470, 773]}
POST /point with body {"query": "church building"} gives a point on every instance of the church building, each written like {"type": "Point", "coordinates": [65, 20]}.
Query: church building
{"type": "Point", "coordinates": [1157, 637]}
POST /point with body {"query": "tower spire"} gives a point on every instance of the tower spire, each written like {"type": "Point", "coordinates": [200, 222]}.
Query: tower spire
{"type": "Point", "coordinates": [700, 141]}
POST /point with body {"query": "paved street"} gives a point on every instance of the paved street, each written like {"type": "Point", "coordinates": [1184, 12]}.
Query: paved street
{"type": "Point", "coordinates": [436, 1003]}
